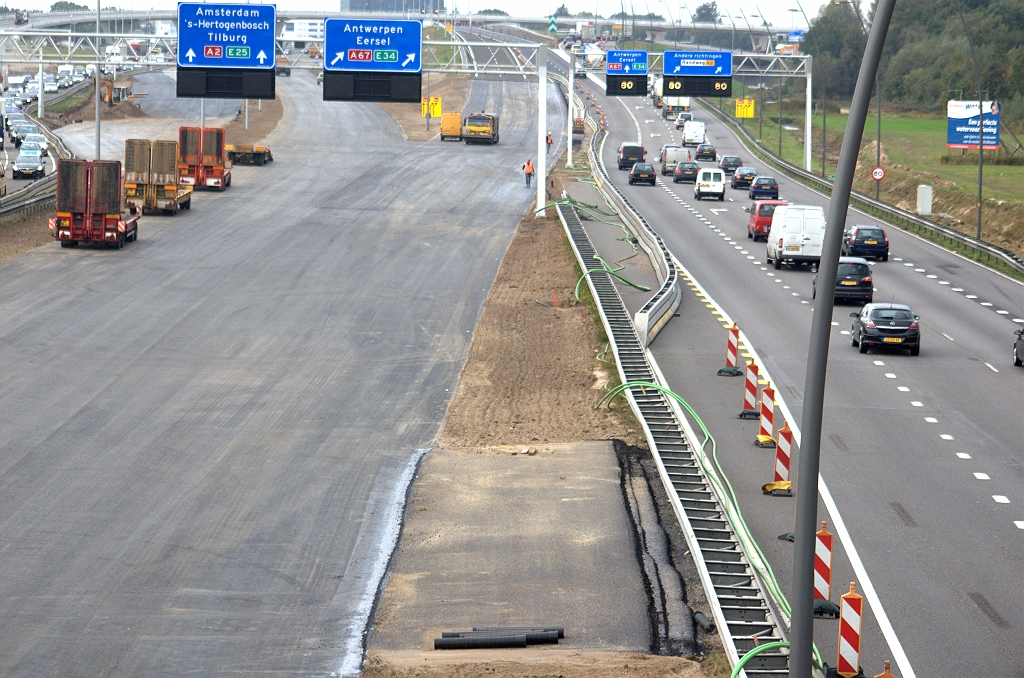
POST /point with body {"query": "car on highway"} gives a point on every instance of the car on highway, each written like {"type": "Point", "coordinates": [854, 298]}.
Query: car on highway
{"type": "Point", "coordinates": [19, 133]}
{"type": "Point", "coordinates": [16, 118]}
{"type": "Point", "coordinates": [683, 118]}
{"type": "Point", "coordinates": [31, 148]}
{"type": "Point", "coordinates": [631, 154]}
{"type": "Point", "coordinates": [743, 176]}
{"type": "Point", "coordinates": [643, 173]}
{"type": "Point", "coordinates": [686, 172]}
{"type": "Point", "coordinates": [64, 82]}
{"type": "Point", "coordinates": [666, 147]}
{"type": "Point", "coordinates": [853, 281]}
{"type": "Point", "coordinates": [706, 152]}
{"type": "Point", "coordinates": [77, 78]}
{"type": "Point", "coordinates": [672, 156]}
{"type": "Point", "coordinates": [37, 139]}
{"type": "Point", "coordinates": [729, 163]}
{"type": "Point", "coordinates": [760, 220]}
{"type": "Point", "coordinates": [865, 241]}
{"type": "Point", "coordinates": [886, 324]}
{"type": "Point", "coordinates": [710, 182]}
{"type": "Point", "coordinates": [50, 87]}
{"type": "Point", "coordinates": [1018, 348]}
{"type": "Point", "coordinates": [763, 187]}
{"type": "Point", "coordinates": [29, 166]}
{"type": "Point", "coordinates": [796, 235]}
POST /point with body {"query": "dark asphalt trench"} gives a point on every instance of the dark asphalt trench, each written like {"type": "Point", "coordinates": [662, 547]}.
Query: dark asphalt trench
{"type": "Point", "coordinates": [205, 435]}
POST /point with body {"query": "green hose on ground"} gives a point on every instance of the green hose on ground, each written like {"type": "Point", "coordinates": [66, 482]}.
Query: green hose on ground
{"type": "Point", "coordinates": [726, 492]}
{"type": "Point", "coordinates": [775, 645]}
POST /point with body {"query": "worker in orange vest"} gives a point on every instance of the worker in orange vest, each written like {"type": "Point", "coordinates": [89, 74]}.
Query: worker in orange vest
{"type": "Point", "coordinates": [549, 142]}
{"type": "Point", "coordinates": [528, 170]}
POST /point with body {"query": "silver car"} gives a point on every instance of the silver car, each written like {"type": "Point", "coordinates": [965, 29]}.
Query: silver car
{"type": "Point", "coordinates": [37, 139]}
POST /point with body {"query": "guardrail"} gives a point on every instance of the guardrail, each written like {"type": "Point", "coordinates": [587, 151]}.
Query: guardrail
{"type": "Point", "coordinates": [980, 250]}
{"type": "Point", "coordinates": [39, 193]}
{"type": "Point", "coordinates": [659, 309]}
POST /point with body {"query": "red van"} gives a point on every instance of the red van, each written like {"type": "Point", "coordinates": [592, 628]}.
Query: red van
{"type": "Point", "coordinates": [760, 220]}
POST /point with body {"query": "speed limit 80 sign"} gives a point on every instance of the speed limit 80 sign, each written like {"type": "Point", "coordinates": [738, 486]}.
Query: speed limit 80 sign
{"type": "Point", "coordinates": [878, 173]}
{"type": "Point", "coordinates": [625, 85]}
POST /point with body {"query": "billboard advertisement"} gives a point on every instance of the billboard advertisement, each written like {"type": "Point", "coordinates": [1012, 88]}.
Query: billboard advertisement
{"type": "Point", "coordinates": [962, 124]}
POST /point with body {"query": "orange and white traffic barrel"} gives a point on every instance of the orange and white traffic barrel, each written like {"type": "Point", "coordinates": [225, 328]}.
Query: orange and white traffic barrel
{"type": "Point", "coordinates": [732, 348]}
{"type": "Point", "coordinates": [851, 608]}
{"type": "Point", "coordinates": [823, 563]}
{"type": "Point", "coordinates": [783, 453]}
{"type": "Point", "coordinates": [750, 392]}
{"type": "Point", "coordinates": [766, 432]}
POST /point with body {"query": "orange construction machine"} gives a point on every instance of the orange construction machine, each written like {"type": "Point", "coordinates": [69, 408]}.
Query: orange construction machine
{"type": "Point", "coordinates": [202, 158]}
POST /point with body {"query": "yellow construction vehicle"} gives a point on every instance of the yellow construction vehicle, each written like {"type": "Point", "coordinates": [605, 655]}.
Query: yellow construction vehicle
{"type": "Point", "coordinates": [481, 128]}
{"type": "Point", "coordinates": [248, 155]}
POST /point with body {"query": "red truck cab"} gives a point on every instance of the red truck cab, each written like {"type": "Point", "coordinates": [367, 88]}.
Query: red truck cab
{"type": "Point", "coordinates": [760, 220]}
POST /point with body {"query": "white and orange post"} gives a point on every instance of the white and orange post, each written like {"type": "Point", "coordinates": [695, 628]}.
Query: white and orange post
{"type": "Point", "coordinates": [823, 563]}
{"type": "Point", "coordinates": [732, 349]}
{"type": "Point", "coordinates": [766, 432]}
{"type": "Point", "coordinates": [750, 392]}
{"type": "Point", "coordinates": [851, 608]}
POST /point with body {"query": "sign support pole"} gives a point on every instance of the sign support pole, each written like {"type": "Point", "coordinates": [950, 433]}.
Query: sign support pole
{"type": "Point", "coordinates": [808, 137]}
{"type": "Point", "coordinates": [246, 114]}
{"type": "Point", "coordinates": [98, 66]}
{"type": "Point", "coordinates": [202, 112]}
{"type": "Point", "coordinates": [572, 115]}
{"type": "Point", "coordinates": [542, 118]}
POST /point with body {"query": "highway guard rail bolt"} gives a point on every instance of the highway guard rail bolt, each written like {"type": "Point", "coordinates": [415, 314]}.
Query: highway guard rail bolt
{"type": "Point", "coordinates": [750, 393]}
{"type": "Point", "coordinates": [766, 432]}
{"type": "Point", "coordinates": [732, 351]}
{"type": "Point", "coordinates": [781, 485]}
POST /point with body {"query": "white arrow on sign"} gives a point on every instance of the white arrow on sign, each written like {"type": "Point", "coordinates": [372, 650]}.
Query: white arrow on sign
{"type": "Point", "coordinates": [190, 54]}
{"type": "Point", "coordinates": [676, 69]}
{"type": "Point", "coordinates": [718, 70]}
{"type": "Point", "coordinates": [409, 58]}
{"type": "Point", "coordinates": [262, 56]}
{"type": "Point", "coordinates": [338, 56]}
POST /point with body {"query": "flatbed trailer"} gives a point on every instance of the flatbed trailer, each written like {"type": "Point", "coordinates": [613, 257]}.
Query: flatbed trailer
{"type": "Point", "coordinates": [89, 207]}
{"type": "Point", "coordinates": [249, 154]}
{"type": "Point", "coordinates": [151, 177]}
{"type": "Point", "coordinates": [202, 159]}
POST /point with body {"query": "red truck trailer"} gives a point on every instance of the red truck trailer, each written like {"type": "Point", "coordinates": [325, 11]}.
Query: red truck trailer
{"type": "Point", "coordinates": [202, 158]}
{"type": "Point", "coordinates": [89, 205]}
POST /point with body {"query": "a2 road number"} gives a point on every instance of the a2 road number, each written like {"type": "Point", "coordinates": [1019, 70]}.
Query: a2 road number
{"type": "Point", "coordinates": [626, 84]}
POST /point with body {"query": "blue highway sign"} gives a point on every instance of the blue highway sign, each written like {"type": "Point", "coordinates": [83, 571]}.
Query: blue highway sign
{"type": "Point", "coordinates": [373, 45]}
{"type": "Point", "coordinates": [699, 63]}
{"type": "Point", "coordinates": [626, 62]}
{"type": "Point", "coordinates": [226, 36]}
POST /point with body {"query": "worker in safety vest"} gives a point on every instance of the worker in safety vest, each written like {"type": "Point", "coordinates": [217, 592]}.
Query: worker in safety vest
{"type": "Point", "coordinates": [549, 142]}
{"type": "Point", "coordinates": [528, 170]}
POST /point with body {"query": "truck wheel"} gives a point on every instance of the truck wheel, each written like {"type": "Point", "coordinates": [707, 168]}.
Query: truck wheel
{"type": "Point", "coordinates": [69, 243]}
{"type": "Point", "coordinates": [188, 204]}
{"type": "Point", "coordinates": [228, 183]}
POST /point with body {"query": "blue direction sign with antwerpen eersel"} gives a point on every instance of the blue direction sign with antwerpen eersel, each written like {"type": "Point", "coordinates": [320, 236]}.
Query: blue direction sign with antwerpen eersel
{"type": "Point", "coordinates": [226, 36]}
{"type": "Point", "coordinates": [626, 62]}
{"type": "Point", "coordinates": [699, 63]}
{"type": "Point", "coordinates": [373, 45]}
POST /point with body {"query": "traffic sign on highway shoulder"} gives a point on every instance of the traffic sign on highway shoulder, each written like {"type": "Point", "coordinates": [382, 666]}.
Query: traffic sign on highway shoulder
{"type": "Point", "coordinates": [226, 36]}
{"type": "Point", "coordinates": [373, 45]}
{"type": "Point", "coordinates": [698, 63]}
{"type": "Point", "coordinates": [626, 62]}
{"type": "Point", "coordinates": [878, 173]}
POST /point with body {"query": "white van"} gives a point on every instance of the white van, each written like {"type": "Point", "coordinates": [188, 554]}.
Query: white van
{"type": "Point", "coordinates": [710, 182]}
{"type": "Point", "coordinates": [796, 235]}
{"type": "Point", "coordinates": [694, 133]}
{"type": "Point", "coordinates": [672, 157]}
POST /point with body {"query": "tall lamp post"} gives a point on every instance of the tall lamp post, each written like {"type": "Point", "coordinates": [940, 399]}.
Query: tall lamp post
{"type": "Point", "coordinates": [821, 78]}
{"type": "Point", "coordinates": [878, 94]}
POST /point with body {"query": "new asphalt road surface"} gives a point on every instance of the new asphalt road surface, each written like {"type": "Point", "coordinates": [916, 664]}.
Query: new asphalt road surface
{"type": "Point", "coordinates": [207, 435]}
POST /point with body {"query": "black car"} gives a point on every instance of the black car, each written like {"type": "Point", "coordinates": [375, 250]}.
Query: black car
{"type": "Point", "coordinates": [685, 171]}
{"type": "Point", "coordinates": [630, 154]}
{"type": "Point", "coordinates": [19, 133]}
{"type": "Point", "coordinates": [853, 282]}
{"type": "Point", "coordinates": [743, 176]}
{"type": "Point", "coordinates": [706, 152]}
{"type": "Point", "coordinates": [886, 325]}
{"type": "Point", "coordinates": [729, 163]}
{"type": "Point", "coordinates": [643, 173]}
{"type": "Point", "coordinates": [29, 166]}
{"type": "Point", "coordinates": [866, 241]}
{"type": "Point", "coordinates": [1018, 349]}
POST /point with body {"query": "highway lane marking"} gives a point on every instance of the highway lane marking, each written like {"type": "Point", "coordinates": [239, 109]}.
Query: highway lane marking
{"type": "Point", "coordinates": [946, 436]}
{"type": "Point", "coordinates": [948, 337]}
{"type": "Point", "coordinates": [963, 455]}
{"type": "Point", "coordinates": [877, 362]}
{"type": "Point", "coordinates": [903, 389]}
{"type": "Point", "coordinates": [957, 289]}
{"type": "Point", "coordinates": [1019, 524]}
{"type": "Point", "coordinates": [1003, 312]}
{"type": "Point", "coordinates": [867, 587]}
{"type": "Point", "coordinates": [890, 375]}
{"type": "Point", "coordinates": [1001, 499]}
{"type": "Point", "coordinates": [917, 403]}
{"type": "Point", "coordinates": [991, 367]}
{"type": "Point", "coordinates": [986, 303]}
{"type": "Point", "coordinates": [931, 420]}
{"type": "Point", "coordinates": [982, 476]}
{"type": "Point", "coordinates": [970, 296]}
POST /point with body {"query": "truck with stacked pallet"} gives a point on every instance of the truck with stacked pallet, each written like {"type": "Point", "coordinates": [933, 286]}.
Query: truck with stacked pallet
{"type": "Point", "coordinates": [202, 158]}
{"type": "Point", "coordinates": [151, 177]}
{"type": "Point", "coordinates": [481, 128]}
{"type": "Point", "coordinates": [89, 206]}
{"type": "Point", "coordinates": [248, 154]}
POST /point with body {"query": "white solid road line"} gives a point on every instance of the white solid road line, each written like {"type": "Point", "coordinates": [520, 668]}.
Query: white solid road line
{"type": "Point", "coordinates": [868, 589]}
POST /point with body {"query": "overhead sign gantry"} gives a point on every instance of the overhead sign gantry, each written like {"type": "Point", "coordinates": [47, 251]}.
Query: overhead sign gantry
{"type": "Point", "coordinates": [226, 51]}
{"type": "Point", "coordinates": [625, 73]}
{"type": "Point", "coordinates": [372, 60]}
{"type": "Point", "coordinates": [701, 74]}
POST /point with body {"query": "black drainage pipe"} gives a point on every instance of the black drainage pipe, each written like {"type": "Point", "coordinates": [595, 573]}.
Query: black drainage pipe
{"type": "Point", "coordinates": [702, 621]}
{"type": "Point", "coordinates": [532, 637]}
{"type": "Point", "coordinates": [520, 629]}
{"type": "Point", "coordinates": [479, 642]}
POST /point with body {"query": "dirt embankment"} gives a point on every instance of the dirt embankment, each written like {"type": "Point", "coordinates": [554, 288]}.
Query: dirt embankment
{"type": "Point", "coordinates": [85, 108]}
{"type": "Point", "coordinates": [262, 123]}
{"type": "Point", "coordinates": [22, 234]}
{"type": "Point", "coordinates": [453, 90]}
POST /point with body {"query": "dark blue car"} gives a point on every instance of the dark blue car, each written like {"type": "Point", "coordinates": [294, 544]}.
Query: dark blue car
{"type": "Point", "coordinates": [763, 187]}
{"type": "Point", "coordinates": [866, 241]}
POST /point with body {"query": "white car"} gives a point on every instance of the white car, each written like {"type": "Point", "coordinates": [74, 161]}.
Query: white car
{"type": "Point", "coordinates": [796, 235]}
{"type": "Point", "coordinates": [50, 87]}
{"type": "Point", "coordinates": [710, 182]}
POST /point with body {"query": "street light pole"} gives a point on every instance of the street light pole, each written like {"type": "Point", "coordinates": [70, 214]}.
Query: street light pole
{"type": "Point", "coordinates": [802, 630]}
{"type": "Point", "coordinates": [824, 101]}
{"type": "Point", "coordinates": [97, 156]}
{"type": "Point", "coordinates": [981, 117]}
